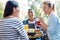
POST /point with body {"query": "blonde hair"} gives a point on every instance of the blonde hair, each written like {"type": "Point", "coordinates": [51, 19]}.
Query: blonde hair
{"type": "Point", "coordinates": [50, 4]}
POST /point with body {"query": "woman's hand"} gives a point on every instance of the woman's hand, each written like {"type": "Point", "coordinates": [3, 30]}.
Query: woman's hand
{"type": "Point", "coordinates": [43, 25]}
{"type": "Point", "coordinates": [41, 19]}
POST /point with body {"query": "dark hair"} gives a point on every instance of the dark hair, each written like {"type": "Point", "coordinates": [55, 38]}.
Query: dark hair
{"type": "Point", "coordinates": [49, 4]}
{"type": "Point", "coordinates": [30, 10]}
{"type": "Point", "coordinates": [9, 8]}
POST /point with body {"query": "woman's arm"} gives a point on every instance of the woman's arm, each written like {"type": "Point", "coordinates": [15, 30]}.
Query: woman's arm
{"type": "Point", "coordinates": [43, 24]}
{"type": "Point", "coordinates": [22, 32]}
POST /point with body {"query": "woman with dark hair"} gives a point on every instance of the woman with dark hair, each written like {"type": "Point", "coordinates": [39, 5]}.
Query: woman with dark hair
{"type": "Point", "coordinates": [11, 27]}
{"type": "Point", "coordinates": [53, 27]}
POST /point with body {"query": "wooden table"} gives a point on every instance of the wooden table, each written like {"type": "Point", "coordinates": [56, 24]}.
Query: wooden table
{"type": "Point", "coordinates": [38, 34]}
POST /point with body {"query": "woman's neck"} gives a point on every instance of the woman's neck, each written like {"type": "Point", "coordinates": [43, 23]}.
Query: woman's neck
{"type": "Point", "coordinates": [50, 13]}
{"type": "Point", "coordinates": [11, 16]}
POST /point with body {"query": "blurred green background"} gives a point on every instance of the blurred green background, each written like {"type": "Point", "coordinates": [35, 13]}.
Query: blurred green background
{"type": "Point", "coordinates": [1, 9]}
{"type": "Point", "coordinates": [36, 5]}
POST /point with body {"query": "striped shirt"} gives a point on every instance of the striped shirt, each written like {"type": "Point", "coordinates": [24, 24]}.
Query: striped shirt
{"type": "Point", "coordinates": [12, 29]}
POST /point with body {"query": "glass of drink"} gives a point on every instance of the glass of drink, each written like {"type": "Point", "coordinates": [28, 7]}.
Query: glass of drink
{"type": "Point", "coordinates": [38, 23]}
{"type": "Point", "coordinates": [26, 26]}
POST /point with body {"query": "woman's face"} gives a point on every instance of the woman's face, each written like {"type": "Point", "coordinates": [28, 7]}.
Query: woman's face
{"type": "Point", "coordinates": [46, 8]}
{"type": "Point", "coordinates": [16, 11]}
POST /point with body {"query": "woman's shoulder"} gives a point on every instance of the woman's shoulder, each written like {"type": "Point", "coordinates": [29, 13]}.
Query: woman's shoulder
{"type": "Point", "coordinates": [17, 19]}
{"type": "Point", "coordinates": [53, 15]}
{"type": "Point", "coordinates": [14, 19]}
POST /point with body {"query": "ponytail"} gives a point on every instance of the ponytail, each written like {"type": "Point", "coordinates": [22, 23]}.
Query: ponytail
{"type": "Point", "coordinates": [49, 4]}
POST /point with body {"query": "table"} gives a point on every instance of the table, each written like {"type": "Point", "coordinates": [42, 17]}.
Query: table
{"type": "Point", "coordinates": [38, 34]}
